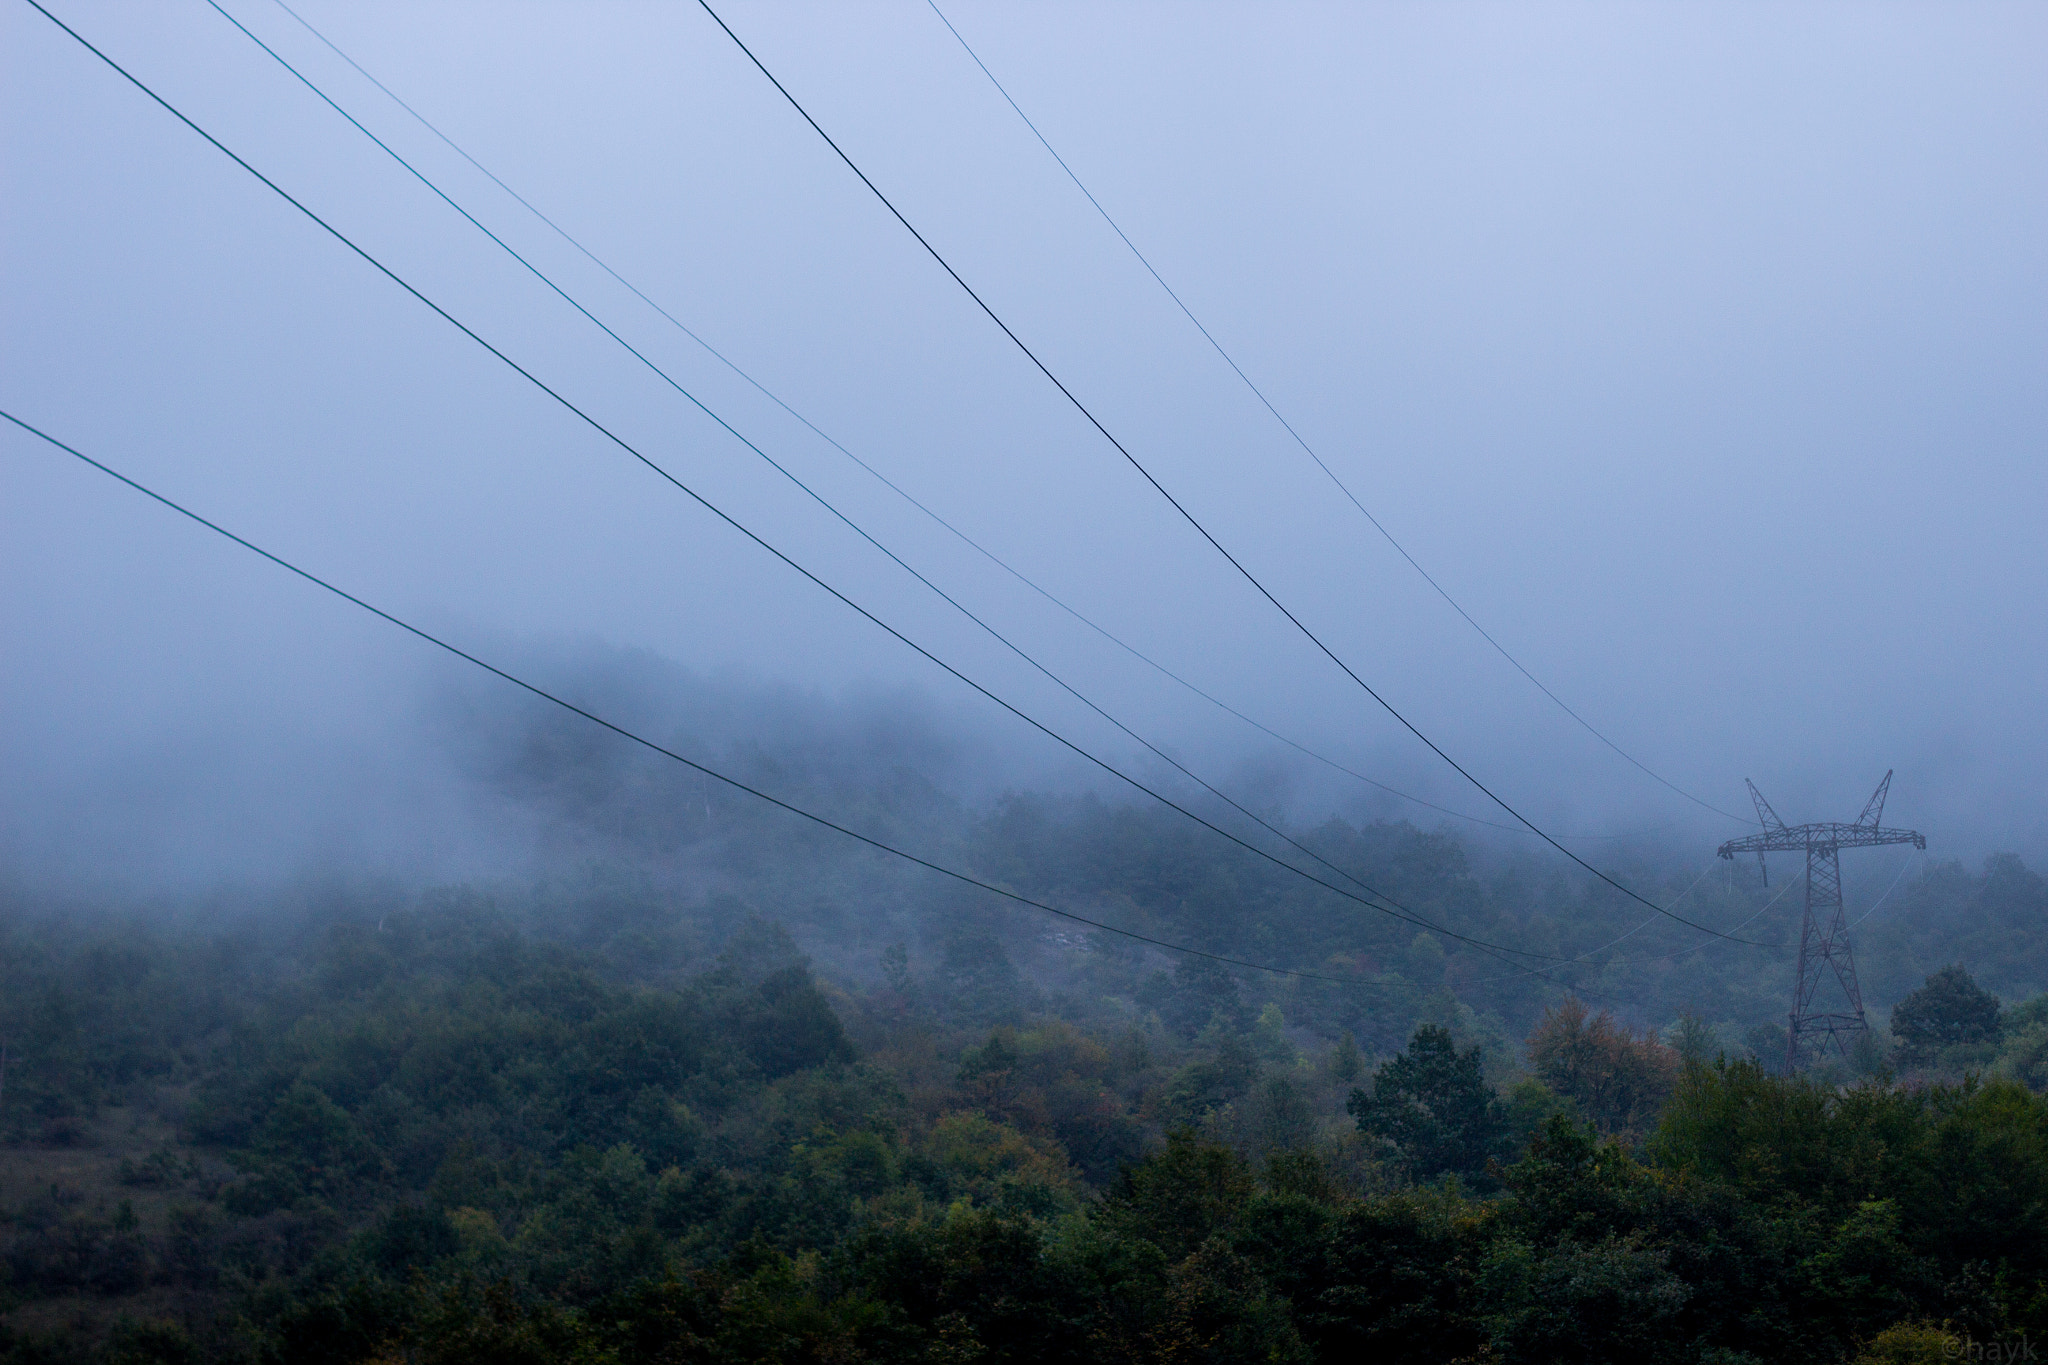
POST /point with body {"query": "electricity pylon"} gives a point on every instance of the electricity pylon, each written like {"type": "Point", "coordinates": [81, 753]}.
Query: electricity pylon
{"type": "Point", "coordinates": [1822, 949]}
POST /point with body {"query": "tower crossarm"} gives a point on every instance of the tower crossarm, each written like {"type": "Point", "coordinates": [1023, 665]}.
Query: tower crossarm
{"type": "Point", "coordinates": [1792, 838]}
{"type": "Point", "coordinates": [1827, 1001]}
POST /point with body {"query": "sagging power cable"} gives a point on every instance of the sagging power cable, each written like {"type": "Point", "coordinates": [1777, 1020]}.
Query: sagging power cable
{"type": "Point", "coordinates": [1389, 907]}
{"type": "Point", "coordinates": [1298, 439]}
{"type": "Point", "coordinates": [833, 442]}
{"type": "Point", "coordinates": [1160, 488]}
{"type": "Point", "coordinates": [813, 494]}
{"type": "Point", "coordinates": [705, 769]}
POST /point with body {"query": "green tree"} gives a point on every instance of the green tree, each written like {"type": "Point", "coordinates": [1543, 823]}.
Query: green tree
{"type": "Point", "coordinates": [1177, 1198]}
{"type": "Point", "coordinates": [1735, 1124]}
{"type": "Point", "coordinates": [309, 1145]}
{"type": "Point", "coordinates": [2024, 1053]}
{"type": "Point", "coordinates": [1398, 1277]}
{"type": "Point", "coordinates": [1571, 1186]}
{"type": "Point", "coordinates": [1615, 1301]}
{"type": "Point", "coordinates": [1345, 1061]}
{"type": "Point", "coordinates": [977, 1285]}
{"type": "Point", "coordinates": [1911, 1343]}
{"type": "Point", "coordinates": [1434, 1107]}
{"type": "Point", "coordinates": [1217, 1308]}
{"type": "Point", "coordinates": [1696, 1041]}
{"type": "Point", "coordinates": [152, 1343]}
{"type": "Point", "coordinates": [1949, 1009]}
{"type": "Point", "coordinates": [788, 1025]}
{"type": "Point", "coordinates": [1200, 991]}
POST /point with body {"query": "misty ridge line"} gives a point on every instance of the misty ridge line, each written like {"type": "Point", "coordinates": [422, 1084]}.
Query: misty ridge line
{"type": "Point", "coordinates": [1186, 515]}
{"type": "Point", "coordinates": [1396, 910]}
{"type": "Point", "coordinates": [1493, 950]}
{"type": "Point", "coordinates": [704, 769]}
{"type": "Point", "coordinates": [776, 399]}
{"type": "Point", "coordinates": [1346, 874]}
{"type": "Point", "coordinates": [1399, 912]}
{"type": "Point", "coordinates": [1300, 440]}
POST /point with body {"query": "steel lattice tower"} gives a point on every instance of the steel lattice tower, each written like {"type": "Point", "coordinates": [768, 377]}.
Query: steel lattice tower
{"type": "Point", "coordinates": [1822, 950]}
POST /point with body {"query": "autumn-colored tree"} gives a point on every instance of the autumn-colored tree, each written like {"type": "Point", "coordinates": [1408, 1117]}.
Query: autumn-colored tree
{"type": "Point", "coordinates": [1619, 1080]}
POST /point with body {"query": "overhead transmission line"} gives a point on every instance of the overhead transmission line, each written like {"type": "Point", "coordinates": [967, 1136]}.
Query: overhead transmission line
{"type": "Point", "coordinates": [1389, 907]}
{"type": "Point", "coordinates": [824, 436]}
{"type": "Point", "coordinates": [1301, 441]}
{"type": "Point", "coordinates": [1897, 877]}
{"type": "Point", "coordinates": [705, 769]}
{"type": "Point", "coordinates": [1368, 889]}
{"type": "Point", "coordinates": [779, 468]}
{"type": "Point", "coordinates": [941, 593]}
{"type": "Point", "coordinates": [1179, 507]}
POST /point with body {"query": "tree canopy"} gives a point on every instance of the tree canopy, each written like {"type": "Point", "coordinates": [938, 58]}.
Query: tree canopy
{"type": "Point", "coordinates": [1949, 1010]}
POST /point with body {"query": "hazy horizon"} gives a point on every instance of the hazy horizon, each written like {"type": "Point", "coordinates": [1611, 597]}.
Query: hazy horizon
{"type": "Point", "coordinates": [1698, 353]}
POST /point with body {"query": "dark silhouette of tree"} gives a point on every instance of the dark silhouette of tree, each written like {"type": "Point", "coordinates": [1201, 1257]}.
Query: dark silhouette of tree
{"type": "Point", "coordinates": [1432, 1105]}
{"type": "Point", "coordinates": [1950, 1009]}
{"type": "Point", "coordinates": [1177, 1197]}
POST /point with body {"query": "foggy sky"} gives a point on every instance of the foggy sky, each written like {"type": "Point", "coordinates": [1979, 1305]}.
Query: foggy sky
{"type": "Point", "coordinates": [1700, 351]}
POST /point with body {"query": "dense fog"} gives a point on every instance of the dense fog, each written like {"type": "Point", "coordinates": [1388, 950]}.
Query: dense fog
{"type": "Point", "coordinates": [1689, 352]}
{"type": "Point", "coordinates": [606, 756]}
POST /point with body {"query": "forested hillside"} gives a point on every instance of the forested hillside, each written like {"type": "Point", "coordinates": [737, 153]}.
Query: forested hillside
{"type": "Point", "coordinates": [1021, 684]}
{"type": "Point", "coordinates": [803, 1107]}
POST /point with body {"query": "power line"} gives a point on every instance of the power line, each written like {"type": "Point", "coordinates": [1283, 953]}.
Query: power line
{"type": "Point", "coordinates": [951, 601]}
{"type": "Point", "coordinates": [1898, 876]}
{"type": "Point", "coordinates": [1682, 952]}
{"type": "Point", "coordinates": [649, 744]}
{"type": "Point", "coordinates": [1176, 504]}
{"type": "Point", "coordinates": [884, 479]}
{"type": "Point", "coordinates": [1368, 889]}
{"type": "Point", "coordinates": [1301, 441]}
{"type": "Point", "coordinates": [1396, 911]}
